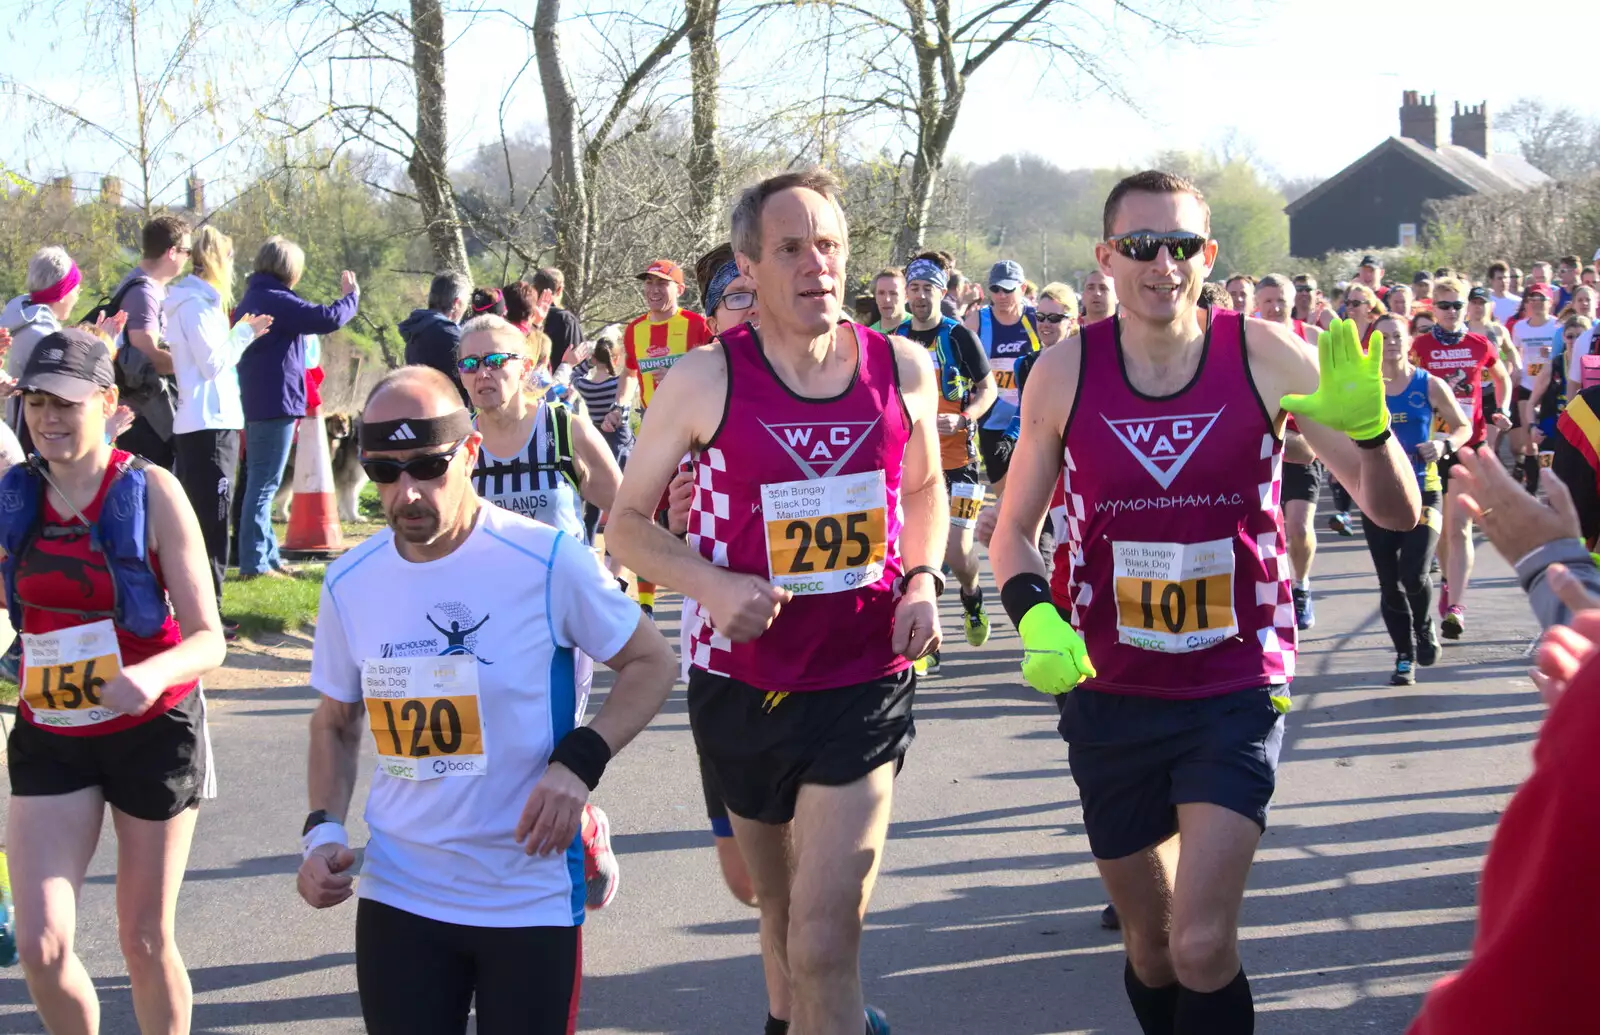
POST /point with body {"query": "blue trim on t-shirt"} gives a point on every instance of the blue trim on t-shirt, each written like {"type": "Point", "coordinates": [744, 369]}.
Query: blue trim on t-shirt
{"type": "Point", "coordinates": [549, 562]}
{"type": "Point", "coordinates": [563, 717]}
{"type": "Point", "coordinates": [355, 557]}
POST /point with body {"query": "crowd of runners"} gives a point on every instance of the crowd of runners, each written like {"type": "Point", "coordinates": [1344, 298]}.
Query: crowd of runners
{"type": "Point", "coordinates": [1140, 456]}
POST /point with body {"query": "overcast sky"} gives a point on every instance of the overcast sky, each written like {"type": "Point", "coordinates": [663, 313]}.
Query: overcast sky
{"type": "Point", "coordinates": [1306, 100]}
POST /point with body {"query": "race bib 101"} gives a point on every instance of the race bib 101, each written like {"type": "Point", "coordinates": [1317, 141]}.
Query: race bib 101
{"type": "Point", "coordinates": [424, 716]}
{"type": "Point", "coordinates": [1174, 597]}
{"type": "Point", "coordinates": [64, 670]}
{"type": "Point", "coordinates": [826, 535]}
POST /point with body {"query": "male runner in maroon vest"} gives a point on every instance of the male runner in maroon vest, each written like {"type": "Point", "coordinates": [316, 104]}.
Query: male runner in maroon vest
{"type": "Point", "coordinates": [1167, 435]}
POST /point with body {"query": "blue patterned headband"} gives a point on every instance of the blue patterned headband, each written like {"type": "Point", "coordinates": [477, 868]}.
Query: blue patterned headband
{"type": "Point", "coordinates": [719, 283]}
{"type": "Point", "coordinates": [928, 270]}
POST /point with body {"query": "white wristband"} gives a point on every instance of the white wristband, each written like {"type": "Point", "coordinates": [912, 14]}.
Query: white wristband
{"type": "Point", "coordinates": [329, 833]}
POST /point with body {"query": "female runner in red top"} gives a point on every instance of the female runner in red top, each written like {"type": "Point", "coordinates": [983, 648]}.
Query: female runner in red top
{"type": "Point", "coordinates": [132, 733]}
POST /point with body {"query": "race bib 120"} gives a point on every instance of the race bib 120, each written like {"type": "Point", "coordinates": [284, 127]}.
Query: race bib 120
{"type": "Point", "coordinates": [826, 535]}
{"type": "Point", "coordinates": [64, 670]}
{"type": "Point", "coordinates": [424, 716]}
{"type": "Point", "coordinates": [1174, 597]}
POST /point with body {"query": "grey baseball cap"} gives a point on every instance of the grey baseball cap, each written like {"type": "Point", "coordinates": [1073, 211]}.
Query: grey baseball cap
{"type": "Point", "coordinates": [71, 364]}
{"type": "Point", "coordinates": [1006, 274]}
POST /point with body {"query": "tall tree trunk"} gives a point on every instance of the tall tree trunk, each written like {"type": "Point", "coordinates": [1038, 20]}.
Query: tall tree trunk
{"type": "Point", "coordinates": [566, 163]}
{"type": "Point", "coordinates": [428, 169]}
{"type": "Point", "coordinates": [705, 158]}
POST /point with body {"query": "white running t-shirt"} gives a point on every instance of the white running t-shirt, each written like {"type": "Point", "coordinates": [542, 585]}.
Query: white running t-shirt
{"type": "Point", "coordinates": [1505, 308]}
{"type": "Point", "coordinates": [521, 599]}
{"type": "Point", "coordinates": [1538, 344]}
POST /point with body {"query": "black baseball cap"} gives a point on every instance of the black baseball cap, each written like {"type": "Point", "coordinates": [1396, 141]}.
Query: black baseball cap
{"type": "Point", "coordinates": [1421, 277]}
{"type": "Point", "coordinates": [1370, 260]}
{"type": "Point", "coordinates": [71, 364]}
{"type": "Point", "coordinates": [1478, 294]}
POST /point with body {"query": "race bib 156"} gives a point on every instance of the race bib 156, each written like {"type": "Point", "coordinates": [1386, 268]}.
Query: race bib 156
{"type": "Point", "coordinates": [1174, 597]}
{"type": "Point", "coordinates": [966, 501]}
{"type": "Point", "coordinates": [826, 535]}
{"type": "Point", "coordinates": [63, 672]}
{"type": "Point", "coordinates": [424, 716]}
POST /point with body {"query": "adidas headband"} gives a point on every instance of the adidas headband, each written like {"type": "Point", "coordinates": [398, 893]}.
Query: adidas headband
{"type": "Point", "coordinates": [415, 432]}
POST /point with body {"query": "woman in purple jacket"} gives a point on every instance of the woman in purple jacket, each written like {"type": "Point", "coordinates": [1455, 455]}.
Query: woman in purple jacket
{"type": "Point", "coordinates": [272, 382]}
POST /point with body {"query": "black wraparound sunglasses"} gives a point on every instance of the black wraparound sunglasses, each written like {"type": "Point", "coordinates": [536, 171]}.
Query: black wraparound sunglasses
{"type": "Point", "coordinates": [1145, 245]}
{"type": "Point", "coordinates": [421, 468]}
{"type": "Point", "coordinates": [1052, 317]}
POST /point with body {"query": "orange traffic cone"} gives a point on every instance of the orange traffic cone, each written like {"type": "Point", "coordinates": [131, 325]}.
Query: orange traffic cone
{"type": "Point", "coordinates": [313, 515]}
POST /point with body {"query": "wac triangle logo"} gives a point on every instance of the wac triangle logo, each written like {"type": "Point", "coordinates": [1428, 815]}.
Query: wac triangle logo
{"type": "Point", "coordinates": [821, 448]}
{"type": "Point", "coordinates": [1162, 445]}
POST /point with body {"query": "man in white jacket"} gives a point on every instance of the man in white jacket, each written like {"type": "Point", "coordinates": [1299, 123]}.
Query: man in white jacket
{"type": "Point", "coordinates": [206, 345]}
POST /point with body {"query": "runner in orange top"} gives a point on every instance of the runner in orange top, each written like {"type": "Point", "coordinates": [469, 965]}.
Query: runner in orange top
{"type": "Point", "coordinates": [651, 344]}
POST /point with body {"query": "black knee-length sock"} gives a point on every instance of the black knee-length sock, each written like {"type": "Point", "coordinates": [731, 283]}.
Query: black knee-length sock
{"type": "Point", "coordinates": [1228, 1011]}
{"type": "Point", "coordinates": [1156, 1008]}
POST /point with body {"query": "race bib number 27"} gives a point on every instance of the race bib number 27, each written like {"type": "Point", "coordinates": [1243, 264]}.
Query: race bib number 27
{"type": "Point", "coordinates": [1174, 597]}
{"type": "Point", "coordinates": [826, 535]}
{"type": "Point", "coordinates": [63, 672]}
{"type": "Point", "coordinates": [424, 716]}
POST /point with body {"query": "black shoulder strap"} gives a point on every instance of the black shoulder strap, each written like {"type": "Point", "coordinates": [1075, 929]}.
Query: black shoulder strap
{"type": "Point", "coordinates": [115, 305]}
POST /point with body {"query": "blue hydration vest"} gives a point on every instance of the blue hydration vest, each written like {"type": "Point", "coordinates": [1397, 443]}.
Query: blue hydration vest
{"type": "Point", "coordinates": [119, 534]}
{"type": "Point", "coordinates": [1006, 413]}
{"type": "Point", "coordinates": [953, 384]}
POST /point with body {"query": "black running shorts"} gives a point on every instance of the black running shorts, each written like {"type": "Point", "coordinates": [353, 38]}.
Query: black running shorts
{"type": "Point", "coordinates": [1519, 395]}
{"type": "Point", "coordinates": [1302, 482]}
{"type": "Point", "coordinates": [1136, 759]}
{"type": "Point", "coordinates": [761, 747]}
{"type": "Point", "coordinates": [151, 771]}
{"type": "Point", "coordinates": [995, 448]}
{"type": "Point", "coordinates": [968, 475]}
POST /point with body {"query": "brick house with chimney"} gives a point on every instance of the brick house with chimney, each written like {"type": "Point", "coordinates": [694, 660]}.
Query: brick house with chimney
{"type": "Point", "coordinates": [1380, 199]}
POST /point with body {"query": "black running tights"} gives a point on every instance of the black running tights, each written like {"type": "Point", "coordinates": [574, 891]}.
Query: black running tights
{"type": "Point", "coordinates": [419, 977]}
{"type": "Point", "coordinates": [1405, 591]}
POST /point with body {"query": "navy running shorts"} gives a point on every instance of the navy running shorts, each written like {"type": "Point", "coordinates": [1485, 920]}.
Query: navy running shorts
{"type": "Point", "coordinates": [1136, 759]}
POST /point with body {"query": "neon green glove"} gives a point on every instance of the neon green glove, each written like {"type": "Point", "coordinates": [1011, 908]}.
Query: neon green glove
{"type": "Point", "coordinates": [1349, 395]}
{"type": "Point", "coordinates": [1054, 659]}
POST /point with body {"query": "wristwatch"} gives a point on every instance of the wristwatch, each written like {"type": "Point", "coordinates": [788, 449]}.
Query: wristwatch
{"type": "Point", "coordinates": [316, 819]}
{"type": "Point", "coordinates": [924, 569]}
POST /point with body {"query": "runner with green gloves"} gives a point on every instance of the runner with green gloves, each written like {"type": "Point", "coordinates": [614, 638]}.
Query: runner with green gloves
{"type": "Point", "coordinates": [1173, 576]}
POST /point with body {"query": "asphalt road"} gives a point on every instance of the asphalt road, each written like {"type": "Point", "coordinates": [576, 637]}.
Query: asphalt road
{"type": "Point", "coordinates": [985, 917]}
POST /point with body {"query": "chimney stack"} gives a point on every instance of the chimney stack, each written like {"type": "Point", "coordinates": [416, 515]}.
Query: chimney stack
{"type": "Point", "coordinates": [1469, 128]}
{"type": "Point", "coordinates": [197, 195]}
{"type": "Point", "coordinates": [1419, 119]}
{"type": "Point", "coordinates": [61, 188]}
{"type": "Point", "coordinates": [111, 191]}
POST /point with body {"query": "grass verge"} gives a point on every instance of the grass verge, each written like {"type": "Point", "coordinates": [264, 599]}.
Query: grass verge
{"type": "Point", "coordinates": [268, 605]}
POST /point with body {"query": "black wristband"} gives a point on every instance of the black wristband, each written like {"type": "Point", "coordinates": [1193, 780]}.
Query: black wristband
{"type": "Point", "coordinates": [1375, 442]}
{"type": "Point", "coordinates": [924, 569]}
{"type": "Point", "coordinates": [585, 752]}
{"type": "Point", "coordinates": [1021, 593]}
{"type": "Point", "coordinates": [316, 819]}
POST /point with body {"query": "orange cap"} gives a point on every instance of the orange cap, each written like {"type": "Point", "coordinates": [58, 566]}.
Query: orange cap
{"type": "Point", "coordinates": [665, 269]}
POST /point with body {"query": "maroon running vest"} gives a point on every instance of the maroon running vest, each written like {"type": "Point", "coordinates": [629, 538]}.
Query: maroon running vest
{"type": "Point", "coordinates": [1173, 567]}
{"type": "Point", "coordinates": [806, 493]}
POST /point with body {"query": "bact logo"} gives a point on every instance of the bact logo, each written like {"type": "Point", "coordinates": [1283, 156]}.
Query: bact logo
{"type": "Point", "coordinates": [1163, 445]}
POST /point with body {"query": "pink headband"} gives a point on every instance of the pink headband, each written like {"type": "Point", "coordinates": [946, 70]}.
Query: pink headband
{"type": "Point", "coordinates": [59, 290]}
